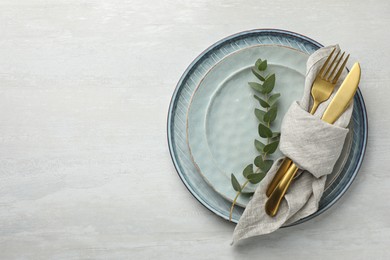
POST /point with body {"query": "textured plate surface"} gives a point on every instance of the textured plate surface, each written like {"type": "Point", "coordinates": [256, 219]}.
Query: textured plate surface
{"type": "Point", "coordinates": [221, 125]}
{"type": "Point", "coordinates": [180, 103]}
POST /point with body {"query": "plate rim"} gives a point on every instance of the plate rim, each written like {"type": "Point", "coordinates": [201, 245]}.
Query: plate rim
{"type": "Point", "coordinates": [192, 65]}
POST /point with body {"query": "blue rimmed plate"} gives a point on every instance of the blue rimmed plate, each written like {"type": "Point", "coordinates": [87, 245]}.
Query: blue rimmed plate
{"type": "Point", "coordinates": [219, 56]}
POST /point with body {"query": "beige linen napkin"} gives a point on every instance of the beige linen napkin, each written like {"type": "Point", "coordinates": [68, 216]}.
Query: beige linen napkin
{"type": "Point", "coordinates": [313, 145]}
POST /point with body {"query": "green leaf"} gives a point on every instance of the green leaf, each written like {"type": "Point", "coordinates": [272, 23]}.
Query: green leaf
{"type": "Point", "coordinates": [259, 145]}
{"type": "Point", "coordinates": [275, 134]}
{"type": "Point", "coordinates": [257, 63]}
{"type": "Point", "coordinates": [264, 165]}
{"type": "Point", "coordinates": [235, 183]}
{"type": "Point", "coordinates": [256, 178]}
{"type": "Point", "coordinates": [248, 170]}
{"type": "Point", "coordinates": [261, 65]}
{"type": "Point", "coordinates": [270, 116]}
{"type": "Point", "coordinates": [256, 86]}
{"type": "Point", "coordinates": [258, 161]}
{"type": "Point", "coordinates": [269, 83]}
{"type": "Point", "coordinates": [262, 102]}
{"type": "Point", "coordinates": [267, 164]}
{"type": "Point", "coordinates": [264, 131]}
{"type": "Point", "coordinates": [271, 148]}
{"type": "Point", "coordinates": [260, 114]}
{"type": "Point", "coordinates": [247, 193]}
{"type": "Point", "coordinates": [256, 72]}
{"type": "Point", "coordinates": [272, 99]}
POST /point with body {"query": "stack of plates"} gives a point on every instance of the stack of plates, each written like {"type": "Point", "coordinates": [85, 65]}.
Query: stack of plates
{"type": "Point", "coordinates": [211, 124]}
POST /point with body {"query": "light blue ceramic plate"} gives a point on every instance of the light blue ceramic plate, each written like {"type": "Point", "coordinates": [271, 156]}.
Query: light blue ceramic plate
{"type": "Point", "coordinates": [221, 125]}
{"type": "Point", "coordinates": [207, 96]}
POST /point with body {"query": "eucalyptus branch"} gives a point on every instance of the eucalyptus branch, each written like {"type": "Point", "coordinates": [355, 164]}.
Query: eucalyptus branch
{"type": "Point", "coordinates": [266, 115]}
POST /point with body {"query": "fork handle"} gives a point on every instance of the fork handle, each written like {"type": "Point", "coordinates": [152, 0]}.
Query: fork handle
{"type": "Point", "coordinates": [314, 108]}
{"type": "Point", "coordinates": [273, 202]}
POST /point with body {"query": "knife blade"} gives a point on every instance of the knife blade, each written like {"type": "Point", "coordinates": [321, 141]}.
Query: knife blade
{"type": "Point", "coordinates": [335, 109]}
{"type": "Point", "coordinates": [344, 96]}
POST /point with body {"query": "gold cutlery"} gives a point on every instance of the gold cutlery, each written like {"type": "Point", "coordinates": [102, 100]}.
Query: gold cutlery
{"type": "Point", "coordinates": [321, 90]}
{"type": "Point", "coordinates": [336, 108]}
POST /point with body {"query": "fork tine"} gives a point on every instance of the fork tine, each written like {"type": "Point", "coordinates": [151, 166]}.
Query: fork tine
{"type": "Point", "coordinates": [326, 62]}
{"type": "Point", "coordinates": [326, 74]}
{"type": "Point", "coordinates": [336, 78]}
{"type": "Point", "coordinates": [331, 75]}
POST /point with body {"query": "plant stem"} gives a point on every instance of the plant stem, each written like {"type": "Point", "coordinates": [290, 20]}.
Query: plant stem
{"type": "Point", "coordinates": [235, 200]}
{"type": "Point", "coordinates": [267, 98]}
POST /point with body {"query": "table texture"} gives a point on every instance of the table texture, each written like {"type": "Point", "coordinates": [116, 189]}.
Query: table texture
{"type": "Point", "coordinates": [85, 170]}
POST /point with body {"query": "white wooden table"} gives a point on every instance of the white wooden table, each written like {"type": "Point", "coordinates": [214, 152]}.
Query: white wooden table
{"type": "Point", "coordinates": [85, 170]}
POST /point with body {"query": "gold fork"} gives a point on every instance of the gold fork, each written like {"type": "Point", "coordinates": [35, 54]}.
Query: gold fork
{"type": "Point", "coordinates": [321, 90]}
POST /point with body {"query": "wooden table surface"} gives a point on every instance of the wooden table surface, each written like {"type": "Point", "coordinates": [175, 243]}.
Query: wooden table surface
{"type": "Point", "coordinates": [85, 170]}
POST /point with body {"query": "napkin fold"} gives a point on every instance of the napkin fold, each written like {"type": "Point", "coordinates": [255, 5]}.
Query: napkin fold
{"type": "Point", "coordinates": [313, 145]}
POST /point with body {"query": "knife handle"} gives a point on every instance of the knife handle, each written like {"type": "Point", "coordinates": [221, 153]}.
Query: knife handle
{"type": "Point", "coordinates": [278, 176]}
{"type": "Point", "coordinates": [274, 200]}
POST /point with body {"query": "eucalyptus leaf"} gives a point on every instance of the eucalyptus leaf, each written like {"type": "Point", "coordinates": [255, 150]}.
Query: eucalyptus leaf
{"type": "Point", "coordinates": [271, 148]}
{"type": "Point", "coordinates": [264, 131]}
{"type": "Point", "coordinates": [256, 86]}
{"type": "Point", "coordinates": [269, 83]}
{"type": "Point", "coordinates": [258, 161]}
{"type": "Point", "coordinates": [259, 145]}
{"type": "Point", "coordinates": [266, 165]}
{"type": "Point", "coordinates": [235, 183]}
{"type": "Point", "coordinates": [270, 116]}
{"type": "Point", "coordinates": [262, 65]}
{"type": "Point", "coordinates": [247, 193]}
{"type": "Point", "coordinates": [262, 102]}
{"type": "Point", "coordinates": [257, 63]}
{"type": "Point", "coordinates": [260, 114]}
{"type": "Point", "coordinates": [273, 98]}
{"type": "Point", "coordinates": [256, 178]}
{"type": "Point", "coordinates": [256, 72]}
{"type": "Point", "coordinates": [248, 170]}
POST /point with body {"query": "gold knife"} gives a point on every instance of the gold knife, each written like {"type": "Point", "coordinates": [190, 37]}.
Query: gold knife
{"type": "Point", "coordinates": [336, 108]}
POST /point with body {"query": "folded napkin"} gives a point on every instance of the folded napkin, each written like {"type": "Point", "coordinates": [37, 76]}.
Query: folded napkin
{"type": "Point", "coordinates": [313, 145]}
